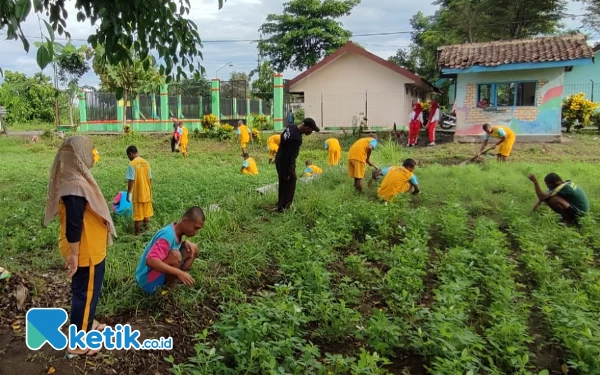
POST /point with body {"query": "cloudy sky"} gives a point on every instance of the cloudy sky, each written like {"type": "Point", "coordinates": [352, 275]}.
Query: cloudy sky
{"type": "Point", "coordinates": [240, 20]}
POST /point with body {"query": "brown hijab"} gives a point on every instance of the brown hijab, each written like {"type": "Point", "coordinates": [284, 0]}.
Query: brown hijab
{"type": "Point", "coordinates": [70, 175]}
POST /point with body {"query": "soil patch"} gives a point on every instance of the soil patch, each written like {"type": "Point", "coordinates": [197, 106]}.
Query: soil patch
{"type": "Point", "coordinates": [52, 290]}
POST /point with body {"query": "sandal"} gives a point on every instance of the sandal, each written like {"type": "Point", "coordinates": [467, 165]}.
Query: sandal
{"type": "Point", "coordinates": [97, 326]}
{"type": "Point", "coordinates": [71, 356]}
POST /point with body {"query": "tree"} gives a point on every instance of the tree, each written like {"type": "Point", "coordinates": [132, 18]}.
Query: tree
{"type": "Point", "coordinates": [306, 32]}
{"type": "Point", "coordinates": [71, 63]}
{"type": "Point", "coordinates": [405, 59]}
{"type": "Point", "coordinates": [190, 87]}
{"type": "Point", "coordinates": [238, 86]}
{"type": "Point", "coordinates": [127, 79]}
{"type": "Point", "coordinates": [471, 21]}
{"type": "Point", "coordinates": [592, 17]}
{"type": "Point", "coordinates": [262, 86]}
{"type": "Point", "coordinates": [125, 29]}
{"type": "Point", "coordinates": [27, 98]}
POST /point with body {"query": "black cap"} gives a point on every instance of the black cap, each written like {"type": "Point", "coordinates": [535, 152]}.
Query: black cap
{"type": "Point", "coordinates": [311, 124]}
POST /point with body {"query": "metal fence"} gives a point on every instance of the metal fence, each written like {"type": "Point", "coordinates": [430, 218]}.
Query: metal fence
{"type": "Point", "coordinates": [190, 107]}
{"type": "Point", "coordinates": [146, 106]}
{"type": "Point", "coordinates": [207, 105]}
{"type": "Point", "coordinates": [173, 106]}
{"type": "Point", "coordinates": [255, 106]}
{"type": "Point", "coordinates": [591, 91]}
{"type": "Point", "coordinates": [101, 106]}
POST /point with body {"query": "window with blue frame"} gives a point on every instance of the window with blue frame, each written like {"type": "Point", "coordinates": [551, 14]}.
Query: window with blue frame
{"type": "Point", "coordinates": [507, 94]}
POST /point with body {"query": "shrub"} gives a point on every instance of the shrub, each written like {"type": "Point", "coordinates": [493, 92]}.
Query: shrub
{"type": "Point", "coordinates": [209, 121]}
{"type": "Point", "coordinates": [220, 132]}
{"type": "Point", "coordinates": [299, 115]}
{"type": "Point", "coordinates": [578, 111]}
{"type": "Point", "coordinates": [256, 135]}
{"type": "Point", "coordinates": [260, 122]}
{"type": "Point", "coordinates": [595, 119]}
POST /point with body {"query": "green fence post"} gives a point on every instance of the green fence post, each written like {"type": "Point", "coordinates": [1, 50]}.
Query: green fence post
{"type": "Point", "coordinates": [247, 110]}
{"type": "Point", "coordinates": [215, 98]}
{"type": "Point", "coordinates": [82, 112]}
{"type": "Point", "coordinates": [234, 108]}
{"type": "Point", "coordinates": [200, 107]}
{"type": "Point", "coordinates": [135, 113]}
{"type": "Point", "coordinates": [154, 109]}
{"type": "Point", "coordinates": [277, 107]}
{"type": "Point", "coordinates": [120, 112]}
{"type": "Point", "coordinates": [260, 109]}
{"type": "Point", "coordinates": [179, 107]}
{"type": "Point", "coordinates": [164, 107]}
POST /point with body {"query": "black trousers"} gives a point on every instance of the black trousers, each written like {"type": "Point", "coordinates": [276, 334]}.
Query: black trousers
{"type": "Point", "coordinates": [287, 187]}
{"type": "Point", "coordinates": [173, 142]}
{"type": "Point", "coordinates": [86, 286]}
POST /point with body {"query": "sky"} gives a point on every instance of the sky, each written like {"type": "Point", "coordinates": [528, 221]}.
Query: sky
{"type": "Point", "coordinates": [240, 20]}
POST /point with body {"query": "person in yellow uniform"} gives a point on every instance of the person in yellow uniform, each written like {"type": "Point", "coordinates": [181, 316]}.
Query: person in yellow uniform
{"type": "Point", "coordinates": [85, 230]}
{"type": "Point", "coordinates": [273, 146]}
{"type": "Point", "coordinates": [183, 141]}
{"type": "Point", "coordinates": [96, 155]}
{"type": "Point", "coordinates": [398, 180]}
{"type": "Point", "coordinates": [139, 189]}
{"type": "Point", "coordinates": [244, 133]}
{"type": "Point", "coordinates": [249, 165]}
{"type": "Point", "coordinates": [332, 145]}
{"type": "Point", "coordinates": [311, 169]}
{"type": "Point", "coordinates": [507, 140]}
{"type": "Point", "coordinates": [358, 158]}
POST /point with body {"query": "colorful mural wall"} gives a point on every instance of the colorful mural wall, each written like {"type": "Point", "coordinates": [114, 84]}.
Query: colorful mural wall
{"type": "Point", "coordinates": [542, 119]}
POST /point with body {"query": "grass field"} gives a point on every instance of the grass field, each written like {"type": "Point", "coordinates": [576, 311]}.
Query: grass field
{"type": "Point", "coordinates": [462, 279]}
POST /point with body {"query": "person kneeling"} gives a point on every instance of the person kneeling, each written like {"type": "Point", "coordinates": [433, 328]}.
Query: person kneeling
{"type": "Point", "coordinates": [249, 165]}
{"type": "Point", "coordinates": [563, 197]}
{"type": "Point", "coordinates": [398, 180]}
{"type": "Point", "coordinates": [311, 169]}
{"type": "Point", "coordinates": [167, 258]}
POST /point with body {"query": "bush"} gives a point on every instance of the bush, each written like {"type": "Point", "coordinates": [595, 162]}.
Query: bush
{"type": "Point", "coordinates": [260, 122]}
{"type": "Point", "coordinates": [578, 111]}
{"type": "Point", "coordinates": [209, 121]}
{"type": "Point", "coordinates": [595, 119]}
{"type": "Point", "coordinates": [299, 116]}
{"type": "Point", "coordinates": [220, 132]}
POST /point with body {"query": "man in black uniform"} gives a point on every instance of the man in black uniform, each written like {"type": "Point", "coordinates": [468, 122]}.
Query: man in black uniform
{"type": "Point", "coordinates": [285, 160]}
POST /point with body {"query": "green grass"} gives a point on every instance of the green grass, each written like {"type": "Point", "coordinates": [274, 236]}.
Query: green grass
{"type": "Point", "coordinates": [341, 283]}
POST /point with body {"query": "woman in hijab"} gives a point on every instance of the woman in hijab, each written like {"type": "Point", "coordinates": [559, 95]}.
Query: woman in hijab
{"type": "Point", "coordinates": [432, 121]}
{"type": "Point", "coordinates": [415, 123]}
{"type": "Point", "coordinates": [86, 229]}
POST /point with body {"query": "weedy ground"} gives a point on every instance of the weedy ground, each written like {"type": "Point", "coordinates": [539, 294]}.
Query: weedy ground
{"type": "Point", "coordinates": [462, 279]}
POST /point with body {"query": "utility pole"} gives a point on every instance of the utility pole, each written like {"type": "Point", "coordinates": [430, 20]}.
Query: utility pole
{"type": "Point", "coordinates": [56, 111]}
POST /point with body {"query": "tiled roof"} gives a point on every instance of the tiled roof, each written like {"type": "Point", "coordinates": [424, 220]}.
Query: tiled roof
{"type": "Point", "coordinates": [564, 48]}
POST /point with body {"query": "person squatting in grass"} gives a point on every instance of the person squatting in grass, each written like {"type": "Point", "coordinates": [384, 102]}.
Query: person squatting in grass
{"type": "Point", "coordinates": [272, 146]}
{"type": "Point", "coordinates": [167, 257]}
{"type": "Point", "coordinates": [244, 133]}
{"type": "Point", "coordinates": [285, 160]}
{"type": "Point", "coordinates": [415, 121]}
{"type": "Point", "coordinates": [85, 229]}
{"type": "Point", "coordinates": [183, 140]}
{"type": "Point", "coordinates": [432, 121]}
{"type": "Point", "coordinates": [139, 189]}
{"type": "Point", "coordinates": [249, 165]}
{"type": "Point", "coordinates": [311, 169]}
{"type": "Point", "coordinates": [504, 146]}
{"type": "Point", "coordinates": [332, 145]}
{"type": "Point", "coordinates": [175, 136]}
{"type": "Point", "coordinates": [563, 197]}
{"type": "Point", "coordinates": [397, 180]}
{"type": "Point", "coordinates": [358, 157]}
